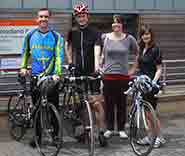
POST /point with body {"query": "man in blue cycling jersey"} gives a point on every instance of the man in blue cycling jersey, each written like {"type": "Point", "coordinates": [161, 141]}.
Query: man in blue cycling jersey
{"type": "Point", "coordinates": [45, 47]}
{"type": "Point", "coordinates": [80, 50]}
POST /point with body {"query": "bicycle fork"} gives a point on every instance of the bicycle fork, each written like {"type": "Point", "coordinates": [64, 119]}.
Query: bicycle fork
{"type": "Point", "coordinates": [140, 114]}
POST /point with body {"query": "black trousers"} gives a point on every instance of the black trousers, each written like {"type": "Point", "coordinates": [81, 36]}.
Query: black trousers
{"type": "Point", "coordinates": [114, 96]}
{"type": "Point", "coordinates": [52, 95]}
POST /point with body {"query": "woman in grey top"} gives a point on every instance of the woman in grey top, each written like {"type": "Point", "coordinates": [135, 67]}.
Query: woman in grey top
{"type": "Point", "coordinates": [116, 49]}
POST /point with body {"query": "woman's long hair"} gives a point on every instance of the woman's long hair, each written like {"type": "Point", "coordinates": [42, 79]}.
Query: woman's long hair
{"type": "Point", "coordinates": [146, 29]}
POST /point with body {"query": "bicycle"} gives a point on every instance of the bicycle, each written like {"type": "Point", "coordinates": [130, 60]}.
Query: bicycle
{"type": "Point", "coordinates": [142, 117]}
{"type": "Point", "coordinates": [19, 108]}
{"type": "Point", "coordinates": [75, 105]}
{"type": "Point", "coordinates": [42, 115]}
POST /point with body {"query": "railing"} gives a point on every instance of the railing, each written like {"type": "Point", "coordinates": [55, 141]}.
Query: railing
{"type": "Point", "coordinates": [173, 72]}
{"type": "Point", "coordinates": [7, 71]}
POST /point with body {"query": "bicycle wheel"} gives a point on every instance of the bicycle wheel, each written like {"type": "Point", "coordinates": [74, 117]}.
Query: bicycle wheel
{"type": "Point", "coordinates": [87, 120]}
{"type": "Point", "coordinates": [143, 129]}
{"type": "Point", "coordinates": [47, 130]}
{"type": "Point", "coordinates": [77, 108]}
{"type": "Point", "coordinates": [16, 116]}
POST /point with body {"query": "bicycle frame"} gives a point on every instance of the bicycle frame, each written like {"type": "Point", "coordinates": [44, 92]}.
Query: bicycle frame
{"type": "Point", "coordinates": [137, 101]}
{"type": "Point", "coordinates": [72, 87]}
{"type": "Point", "coordinates": [137, 107]}
{"type": "Point", "coordinates": [42, 99]}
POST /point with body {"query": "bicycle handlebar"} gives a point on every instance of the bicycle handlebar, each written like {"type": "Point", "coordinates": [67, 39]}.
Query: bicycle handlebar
{"type": "Point", "coordinates": [139, 83]}
{"type": "Point", "coordinates": [43, 78]}
{"type": "Point", "coordinates": [81, 78]}
{"type": "Point", "coordinates": [69, 67]}
{"type": "Point", "coordinates": [129, 91]}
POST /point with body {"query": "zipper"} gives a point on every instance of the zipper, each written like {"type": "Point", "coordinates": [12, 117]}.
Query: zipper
{"type": "Point", "coordinates": [144, 51]}
{"type": "Point", "coordinates": [82, 50]}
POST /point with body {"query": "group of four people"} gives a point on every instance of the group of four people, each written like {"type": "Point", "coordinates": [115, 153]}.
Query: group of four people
{"type": "Point", "coordinates": [89, 51]}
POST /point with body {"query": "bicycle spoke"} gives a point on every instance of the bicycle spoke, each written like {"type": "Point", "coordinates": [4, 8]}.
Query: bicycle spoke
{"type": "Point", "coordinates": [48, 139]}
{"type": "Point", "coordinates": [142, 136]}
{"type": "Point", "coordinates": [78, 110]}
{"type": "Point", "coordinates": [16, 117]}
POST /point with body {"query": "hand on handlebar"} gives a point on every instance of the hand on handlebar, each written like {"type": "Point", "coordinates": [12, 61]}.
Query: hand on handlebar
{"type": "Point", "coordinates": [155, 87]}
{"type": "Point", "coordinates": [154, 84]}
{"type": "Point", "coordinates": [23, 72]}
{"type": "Point", "coordinates": [56, 77]}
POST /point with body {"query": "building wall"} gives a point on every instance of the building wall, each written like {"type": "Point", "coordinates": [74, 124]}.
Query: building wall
{"type": "Point", "coordinates": [169, 31]}
{"type": "Point", "coordinates": [99, 5]}
{"type": "Point", "coordinates": [61, 22]}
{"type": "Point", "coordinates": [167, 17]}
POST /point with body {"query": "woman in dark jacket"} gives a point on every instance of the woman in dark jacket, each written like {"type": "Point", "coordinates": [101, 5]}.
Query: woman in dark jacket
{"type": "Point", "coordinates": [150, 64]}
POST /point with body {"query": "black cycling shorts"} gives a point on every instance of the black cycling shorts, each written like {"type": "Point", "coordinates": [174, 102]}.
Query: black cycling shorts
{"type": "Point", "coordinates": [94, 87]}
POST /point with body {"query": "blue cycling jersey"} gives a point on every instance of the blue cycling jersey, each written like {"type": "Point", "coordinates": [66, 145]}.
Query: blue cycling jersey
{"type": "Point", "coordinates": [46, 51]}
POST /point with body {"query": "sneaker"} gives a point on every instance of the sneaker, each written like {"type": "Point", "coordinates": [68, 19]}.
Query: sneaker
{"type": "Point", "coordinates": [107, 134]}
{"type": "Point", "coordinates": [157, 143]}
{"type": "Point", "coordinates": [102, 139]}
{"type": "Point", "coordinates": [123, 135]}
{"type": "Point", "coordinates": [162, 140]}
{"type": "Point", "coordinates": [144, 141]}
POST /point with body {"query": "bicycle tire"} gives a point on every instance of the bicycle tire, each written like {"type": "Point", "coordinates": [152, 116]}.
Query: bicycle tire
{"type": "Point", "coordinates": [90, 130]}
{"type": "Point", "coordinates": [16, 119]}
{"type": "Point", "coordinates": [78, 103]}
{"type": "Point", "coordinates": [46, 118]}
{"type": "Point", "coordinates": [139, 129]}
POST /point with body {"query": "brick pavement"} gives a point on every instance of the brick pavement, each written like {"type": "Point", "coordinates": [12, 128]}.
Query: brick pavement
{"type": "Point", "coordinates": [173, 130]}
